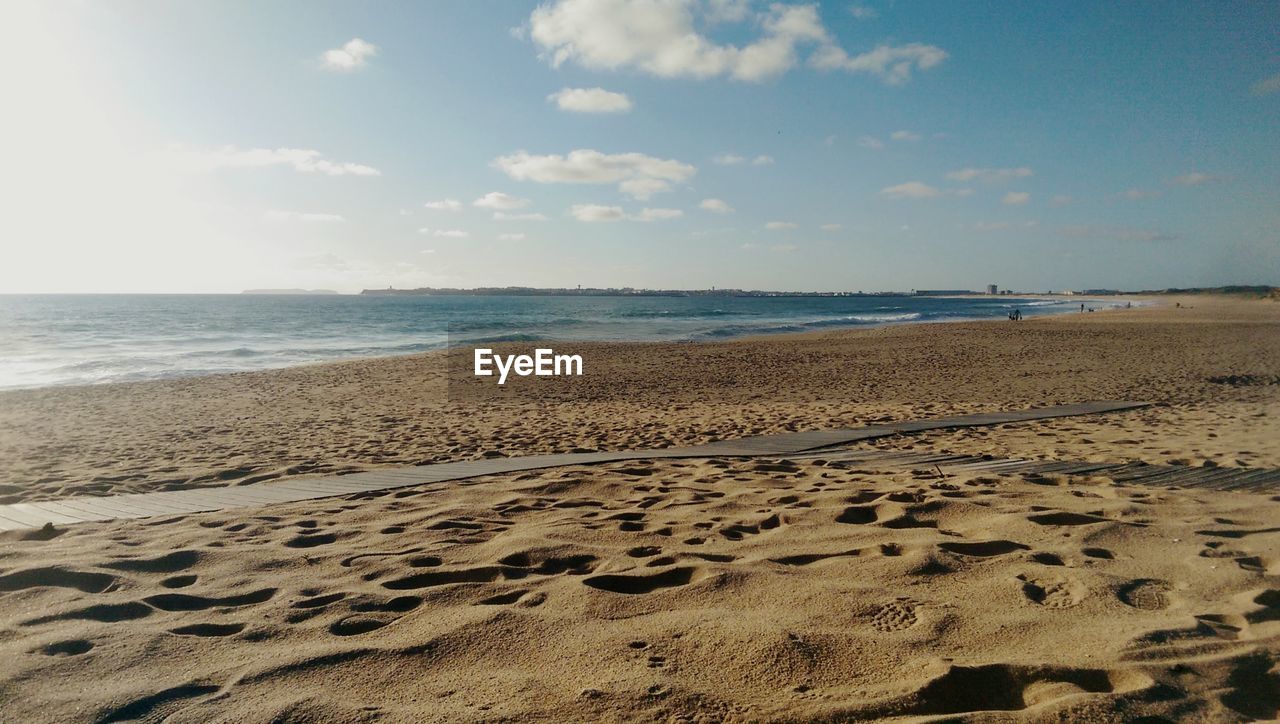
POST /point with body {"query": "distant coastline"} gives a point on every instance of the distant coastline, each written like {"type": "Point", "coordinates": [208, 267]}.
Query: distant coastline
{"type": "Point", "coordinates": [289, 291]}
{"type": "Point", "coordinates": [633, 292]}
{"type": "Point", "coordinates": [1257, 290]}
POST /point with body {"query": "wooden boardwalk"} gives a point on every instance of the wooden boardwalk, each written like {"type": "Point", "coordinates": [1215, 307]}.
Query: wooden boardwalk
{"type": "Point", "coordinates": [1133, 473]}
{"type": "Point", "coordinates": [68, 511]}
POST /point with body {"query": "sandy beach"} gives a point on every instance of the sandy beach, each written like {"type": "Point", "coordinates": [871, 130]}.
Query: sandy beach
{"type": "Point", "coordinates": [695, 590]}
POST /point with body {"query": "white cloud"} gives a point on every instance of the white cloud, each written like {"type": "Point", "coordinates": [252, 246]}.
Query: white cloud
{"type": "Point", "coordinates": [862, 12]}
{"type": "Point", "coordinates": [518, 236]}
{"type": "Point", "coordinates": [715, 206]}
{"type": "Point", "coordinates": [1137, 194]}
{"type": "Point", "coordinates": [660, 37]}
{"type": "Point", "coordinates": [301, 159]}
{"type": "Point", "coordinates": [733, 159]}
{"type": "Point", "coordinates": [590, 100]}
{"type": "Point", "coordinates": [919, 189]}
{"type": "Point", "coordinates": [781, 225]}
{"type": "Point", "coordinates": [427, 251]}
{"type": "Point", "coordinates": [1195, 178]}
{"type": "Point", "coordinates": [727, 11]}
{"type": "Point", "coordinates": [658, 214]}
{"type": "Point", "coordinates": [1060, 200]}
{"type": "Point", "coordinates": [989, 175]}
{"type": "Point", "coordinates": [904, 136]}
{"type": "Point", "coordinates": [1267, 86]}
{"type": "Point", "coordinates": [831, 227]}
{"type": "Point", "coordinates": [892, 64]}
{"type": "Point", "coordinates": [830, 140]}
{"type": "Point", "coordinates": [501, 201]}
{"type": "Point", "coordinates": [353, 55]}
{"type": "Point", "coordinates": [636, 174]}
{"type": "Point", "coordinates": [596, 212]}
{"type": "Point", "coordinates": [783, 248]}
{"type": "Point", "coordinates": [444, 205]}
{"type": "Point", "coordinates": [870, 142]}
{"type": "Point", "coordinates": [306, 217]}
{"type": "Point", "coordinates": [1016, 198]}
{"type": "Point", "coordinates": [445, 233]}
{"type": "Point", "coordinates": [643, 188]}
{"type": "Point", "coordinates": [504, 216]}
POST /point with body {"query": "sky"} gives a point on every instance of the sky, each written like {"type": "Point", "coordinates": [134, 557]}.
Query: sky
{"type": "Point", "coordinates": [212, 147]}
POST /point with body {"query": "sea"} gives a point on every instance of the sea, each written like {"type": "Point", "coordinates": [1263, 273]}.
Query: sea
{"type": "Point", "coordinates": [48, 340]}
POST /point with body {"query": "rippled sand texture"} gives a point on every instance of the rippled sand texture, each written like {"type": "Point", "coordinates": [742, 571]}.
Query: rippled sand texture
{"type": "Point", "coordinates": [717, 588]}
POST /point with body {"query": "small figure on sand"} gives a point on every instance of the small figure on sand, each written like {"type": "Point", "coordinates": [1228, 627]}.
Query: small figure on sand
{"type": "Point", "coordinates": [1015, 315]}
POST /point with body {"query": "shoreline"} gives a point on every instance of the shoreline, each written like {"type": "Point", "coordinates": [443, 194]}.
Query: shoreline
{"type": "Point", "coordinates": [370, 413]}
{"type": "Point", "coordinates": [1145, 302]}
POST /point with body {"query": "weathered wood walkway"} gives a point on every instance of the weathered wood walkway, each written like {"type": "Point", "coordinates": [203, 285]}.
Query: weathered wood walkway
{"type": "Point", "coordinates": [68, 511]}
{"type": "Point", "coordinates": [1132, 473]}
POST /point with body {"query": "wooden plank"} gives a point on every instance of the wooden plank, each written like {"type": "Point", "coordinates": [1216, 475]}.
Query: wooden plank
{"type": "Point", "coordinates": [88, 512]}
{"type": "Point", "coordinates": [50, 515]}
{"type": "Point", "coordinates": [34, 519]}
{"type": "Point", "coordinates": [175, 501]}
{"type": "Point", "coordinates": [7, 523]}
{"type": "Point", "coordinates": [125, 510]}
{"type": "Point", "coordinates": [150, 504]}
{"type": "Point", "coordinates": [80, 515]}
{"type": "Point", "coordinates": [1267, 480]}
{"type": "Point", "coordinates": [1214, 477]}
{"type": "Point", "coordinates": [1251, 477]}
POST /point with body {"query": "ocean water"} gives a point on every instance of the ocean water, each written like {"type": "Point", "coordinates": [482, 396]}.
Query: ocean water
{"type": "Point", "coordinates": [88, 339]}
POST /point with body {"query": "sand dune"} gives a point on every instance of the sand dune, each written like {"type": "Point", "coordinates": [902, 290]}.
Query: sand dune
{"type": "Point", "coordinates": [696, 590]}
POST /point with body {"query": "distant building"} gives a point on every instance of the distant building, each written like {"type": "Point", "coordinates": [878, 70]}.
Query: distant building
{"type": "Point", "coordinates": [992, 289]}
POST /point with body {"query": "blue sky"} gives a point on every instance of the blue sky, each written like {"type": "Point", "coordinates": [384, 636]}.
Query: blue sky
{"type": "Point", "coordinates": [216, 146]}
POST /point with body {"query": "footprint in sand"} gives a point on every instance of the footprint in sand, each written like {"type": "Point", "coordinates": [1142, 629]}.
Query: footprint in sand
{"type": "Point", "coordinates": [641, 584]}
{"type": "Point", "coordinates": [72, 647]}
{"type": "Point", "coordinates": [1066, 518]}
{"type": "Point", "coordinates": [1146, 594]}
{"type": "Point", "coordinates": [58, 577]}
{"type": "Point", "coordinates": [898, 615]}
{"type": "Point", "coordinates": [179, 581]}
{"type": "Point", "coordinates": [1004, 687]}
{"type": "Point", "coordinates": [208, 630]}
{"type": "Point", "coordinates": [168, 563]}
{"type": "Point", "coordinates": [310, 540]}
{"type": "Point", "coordinates": [1053, 592]}
{"type": "Point", "coordinates": [984, 549]}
